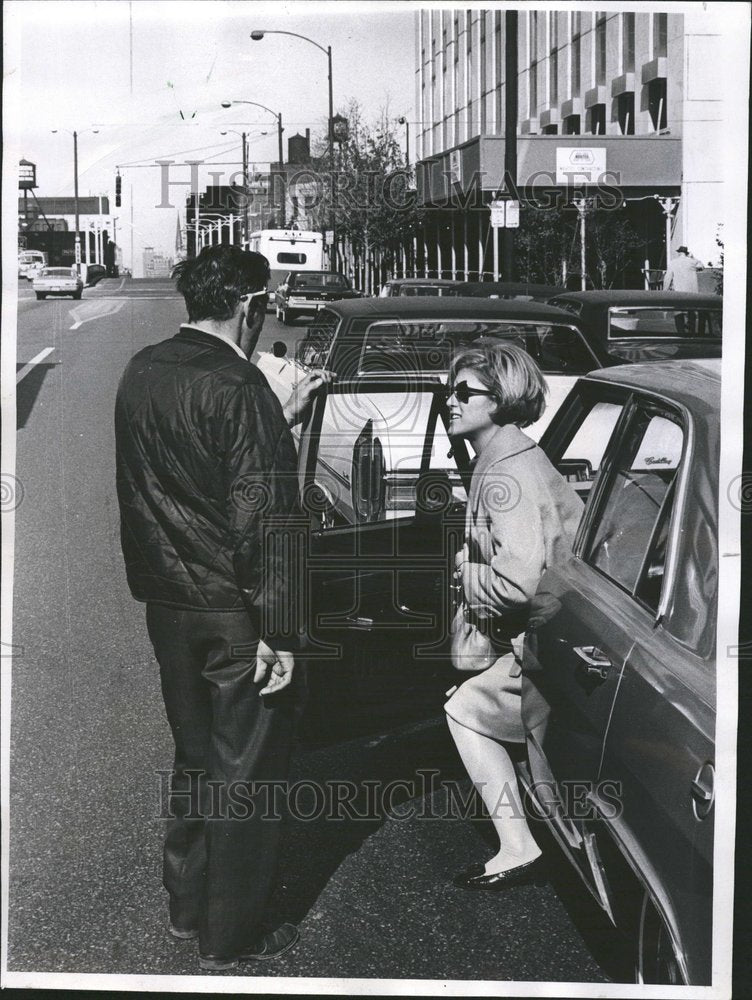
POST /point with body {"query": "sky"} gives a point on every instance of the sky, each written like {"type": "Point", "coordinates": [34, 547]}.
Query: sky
{"type": "Point", "coordinates": [130, 68]}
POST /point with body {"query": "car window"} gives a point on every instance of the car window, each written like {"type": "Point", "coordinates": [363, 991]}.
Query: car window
{"type": "Point", "coordinates": [572, 307]}
{"type": "Point", "coordinates": [427, 346]}
{"type": "Point", "coordinates": [582, 458]}
{"type": "Point", "coordinates": [313, 349]}
{"type": "Point", "coordinates": [285, 257]}
{"type": "Point", "coordinates": [57, 272]}
{"type": "Point", "coordinates": [627, 538]}
{"type": "Point", "coordinates": [383, 455]}
{"type": "Point", "coordinates": [665, 321]}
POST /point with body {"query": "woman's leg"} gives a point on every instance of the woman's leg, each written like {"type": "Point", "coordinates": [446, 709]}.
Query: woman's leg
{"type": "Point", "coordinates": [492, 772]}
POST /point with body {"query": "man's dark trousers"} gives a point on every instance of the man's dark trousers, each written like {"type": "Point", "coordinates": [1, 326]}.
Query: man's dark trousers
{"type": "Point", "coordinates": [219, 868]}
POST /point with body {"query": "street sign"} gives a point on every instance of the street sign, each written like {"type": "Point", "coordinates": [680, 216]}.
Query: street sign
{"type": "Point", "coordinates": [329, 237]}
{"type": "Point", "coordinates": [455, 167]}
{"type": "Point", "coordinates": [497, 214]}
{"type": "Point", "coordinates": [580, 164]}
{"type": "Point", "coordinates": [505, 214]}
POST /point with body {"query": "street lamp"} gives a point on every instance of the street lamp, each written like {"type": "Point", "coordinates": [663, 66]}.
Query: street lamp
{"type": "Point", "coordinates": [403, 121]}
{"type": "Point", "coordinates": [280, 150]}
{"type": "Point", "coordinates": [75, 188]}
{"type": "Point", "coordinates": [257, 36]}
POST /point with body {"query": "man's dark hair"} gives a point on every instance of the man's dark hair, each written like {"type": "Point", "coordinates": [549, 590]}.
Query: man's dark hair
{"type": "Point", "coordinates": [213, 282]}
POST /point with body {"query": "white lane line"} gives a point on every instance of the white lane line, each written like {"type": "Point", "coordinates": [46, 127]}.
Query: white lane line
{"type": "Point", "coordinates": [23, 372]}
{"type": "Point", "coordinates": [94, 310]}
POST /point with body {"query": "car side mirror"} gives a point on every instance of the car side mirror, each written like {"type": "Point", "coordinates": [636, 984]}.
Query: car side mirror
{"type": "Point", "coordinates": [279, 348]}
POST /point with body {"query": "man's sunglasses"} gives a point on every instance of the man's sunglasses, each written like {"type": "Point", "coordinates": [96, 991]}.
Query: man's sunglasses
{"type": "Point", "coordinates": [462, 392]}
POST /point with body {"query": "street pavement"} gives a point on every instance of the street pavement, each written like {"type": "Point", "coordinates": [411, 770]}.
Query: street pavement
{"type": "Point", "coordinates": [89, 738]}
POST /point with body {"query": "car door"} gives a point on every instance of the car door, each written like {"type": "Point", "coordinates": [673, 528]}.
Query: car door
{"type": "Point", "coordinates": [385, 494]}
{"type": "Point", "coordinates": [624, 452]}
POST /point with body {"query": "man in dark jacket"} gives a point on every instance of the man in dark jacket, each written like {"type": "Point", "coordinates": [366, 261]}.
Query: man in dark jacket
{"type": "Point", "coordinates": [207, 485]}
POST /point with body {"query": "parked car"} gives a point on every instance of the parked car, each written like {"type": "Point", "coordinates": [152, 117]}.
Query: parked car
{"type": "Point", "coordinates": [390, 339]}
{"type": "Point", "coordinates": [417, 286]}
{"type": "Point", "coordinates": [619, 670]}
{"type": "Point", "coordinates": [628, 325]}
{"type": "Point", "coordinates": [619, 664]}
{"type": "Point", "coordinates": [507, 290]}
{"type": "Point", "coordinates": [305, 292]}
{"type": "Point", "coordinates": [57, 281]}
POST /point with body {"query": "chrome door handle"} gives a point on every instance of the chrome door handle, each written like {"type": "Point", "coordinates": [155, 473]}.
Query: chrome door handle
{"type": "Point", "coordinates": [596, 662]}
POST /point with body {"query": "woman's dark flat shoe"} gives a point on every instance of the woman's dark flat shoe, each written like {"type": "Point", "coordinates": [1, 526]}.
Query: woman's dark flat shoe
{"type": "Point", "coordinates": [532, 873]}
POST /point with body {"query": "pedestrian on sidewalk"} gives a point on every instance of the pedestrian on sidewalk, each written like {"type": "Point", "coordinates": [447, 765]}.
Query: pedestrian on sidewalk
{"type": "Point", "coordinates": [521, 518]}
{"type": "Point", "coordinates": [681, 275]}
{"type": "Point", "coordinates": [204, 456]}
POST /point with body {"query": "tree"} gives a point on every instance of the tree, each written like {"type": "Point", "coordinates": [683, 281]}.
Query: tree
{"type": "Point", "coordinates": [376, 207]}
{"type": "Point", "coordinates": [548, 239]}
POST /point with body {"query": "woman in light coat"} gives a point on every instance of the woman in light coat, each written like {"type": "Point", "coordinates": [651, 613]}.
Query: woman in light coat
{"type": "Point", "coordinates": [521, 517]}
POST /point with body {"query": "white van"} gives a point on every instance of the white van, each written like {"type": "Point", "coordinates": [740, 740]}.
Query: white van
{"type": "Point", "coordinates": [288, 250]}
{"type": "Point", "coordinates": [30, 262]}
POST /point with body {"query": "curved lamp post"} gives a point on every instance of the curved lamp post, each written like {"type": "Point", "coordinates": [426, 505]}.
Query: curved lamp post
{"type": "Point", "coordinates": [75, 188]}
{"type": "Point", "coordinates": [257, 36]}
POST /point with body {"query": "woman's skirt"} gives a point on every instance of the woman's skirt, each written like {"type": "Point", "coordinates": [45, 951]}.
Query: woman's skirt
{"type": "Point", "coordinates": [490, 702]}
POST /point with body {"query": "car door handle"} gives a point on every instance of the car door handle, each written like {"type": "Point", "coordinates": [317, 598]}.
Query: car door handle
{"type": "Point", "coordinates": [596, 662]}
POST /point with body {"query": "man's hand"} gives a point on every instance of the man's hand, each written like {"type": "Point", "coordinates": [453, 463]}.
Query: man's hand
{"type": "Point", "coordinates": [302, 395]}
{"type": "Point", "coordinates": [277, 664]}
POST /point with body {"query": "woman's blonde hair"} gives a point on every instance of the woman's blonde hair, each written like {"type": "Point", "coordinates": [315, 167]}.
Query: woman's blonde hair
{"type": "Point", "coordinates": [510, 373]}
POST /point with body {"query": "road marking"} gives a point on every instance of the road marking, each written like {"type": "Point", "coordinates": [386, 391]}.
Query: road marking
{"type": "Point", "coordinates": [23, 372]}
{"type": "Point", "coordinates": [94, 309]}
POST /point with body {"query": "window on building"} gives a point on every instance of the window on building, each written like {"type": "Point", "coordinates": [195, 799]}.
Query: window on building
{"type": "Point", "coordinates": [597, 116]}
{"type": "Point", "coordinates": [576, 78]}
{"type": "Point", "coordinates": [660, 34]}
{"type": "Point", "coordinates": [553, 58]}
{"type": "Point", "coordinates": [550, 129]}
{"type": "Point", "coordinates": [572, 125]}
{"type": "Point", "coordinates": [600, 49]}
{"type": "Point", "coordinates": [533, 103]}
{"type": "Point", "coordinates": [498, 56]}
{"type": "Point", "coordinates": [628, 43]}
{"type": "Point", "coordinates": [483, 71]}
{"type": "Point", "coordinates": [625, 110]}
{"type": "Point", "coordinates": [657, 103]}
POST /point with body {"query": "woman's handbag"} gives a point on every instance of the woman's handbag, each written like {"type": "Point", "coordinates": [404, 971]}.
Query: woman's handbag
{"type": "Point", "coordinates": [479, 642]}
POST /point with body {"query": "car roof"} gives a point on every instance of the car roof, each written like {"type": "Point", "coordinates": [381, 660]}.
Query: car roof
{"type": "Point", "coordinates": [507, 288]}
{"type": "Point", "coordinates": [639, 296]}
{"type": "Point", "coordinates": [452, 307]}
{"type": "Point", "coordinates": [683, 381]}
{"type": "Point", "coordinates": [421, 281]}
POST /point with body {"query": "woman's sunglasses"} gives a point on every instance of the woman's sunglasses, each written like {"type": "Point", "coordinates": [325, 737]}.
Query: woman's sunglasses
{"type": "Point", "coordinates": [462, 392]}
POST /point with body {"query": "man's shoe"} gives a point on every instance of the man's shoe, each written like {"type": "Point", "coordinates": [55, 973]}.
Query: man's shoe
{"type": "Point", "coordinates": [532, 873]}
{"type": "Point", "coordinates": [267, 947]}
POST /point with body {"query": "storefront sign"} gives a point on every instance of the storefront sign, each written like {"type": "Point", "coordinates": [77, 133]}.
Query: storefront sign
{"type": "Point", "coordinates": [580, 164]}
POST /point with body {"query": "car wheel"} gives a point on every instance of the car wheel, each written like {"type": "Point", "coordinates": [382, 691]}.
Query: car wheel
{"type": "Point", "coordinates": [656, 958]}
{"type": "Point", "coordinates": [76, 295]}
{"type": "Point", "coordinates": [41, 295]}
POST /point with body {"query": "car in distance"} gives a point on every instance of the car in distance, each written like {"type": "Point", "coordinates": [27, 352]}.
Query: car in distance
{"type": "Point", "coordinates": [58, 281]}
{"type": "Point", "coordinates": [417, 286]}
{"type": "Point", "coordinates": [507, 290]}
{"type": "Point", "coordinates": [619, 672]}
{"type": "Point", "coordinates": [303, 293]}
{"type": "Point", "coordinates": [630, 325]}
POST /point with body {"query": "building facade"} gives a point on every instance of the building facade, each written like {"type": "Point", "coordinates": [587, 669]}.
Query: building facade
{"type": "Point", "coordinates": [156, 265]}
{"type": "Point", "coordinates": [628, 102]}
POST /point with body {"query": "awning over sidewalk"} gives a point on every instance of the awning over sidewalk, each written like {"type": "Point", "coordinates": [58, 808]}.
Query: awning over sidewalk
{"type": "Point", "coordinates": [652, 163]}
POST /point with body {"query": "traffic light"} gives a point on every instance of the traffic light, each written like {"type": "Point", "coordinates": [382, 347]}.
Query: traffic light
{"type": "Point", "coordinates": [118, 190]}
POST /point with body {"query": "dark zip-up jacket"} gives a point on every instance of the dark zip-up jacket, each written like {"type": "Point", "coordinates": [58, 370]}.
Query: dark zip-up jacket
{"type": "Point", "coordinates": [207, 483]}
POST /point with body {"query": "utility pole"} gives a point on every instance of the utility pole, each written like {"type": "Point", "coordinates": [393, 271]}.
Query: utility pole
{"type": "Point", "coordinates": [244, 226]}
{"type": "Point", "coordinates": [581, 206]}
{"type": "Point", "coordinates": [669, 206]}
{"type": "Point", "coordinates": [75, 199]}
{"type": "Point", "coordinates": [510, 135]}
